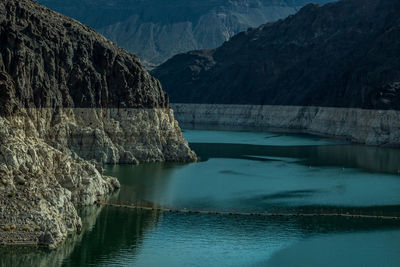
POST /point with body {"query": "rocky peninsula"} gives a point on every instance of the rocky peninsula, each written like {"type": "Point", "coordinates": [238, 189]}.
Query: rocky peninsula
{"type": "Point", "coordinates": [70, 100]}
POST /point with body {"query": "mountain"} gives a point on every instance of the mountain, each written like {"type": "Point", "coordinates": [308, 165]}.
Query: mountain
{"type": "Point", "coordinates": [70, 100]}
{"type": "Point", "coordinates": [342, 54]}
{"type": "Point", "coordinates": [155, 30]}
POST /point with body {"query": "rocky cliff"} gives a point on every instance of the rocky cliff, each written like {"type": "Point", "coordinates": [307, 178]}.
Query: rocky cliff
{"type": "Point", "coordinates": [69, 101]}
{"type": "Point", "coordinates": [157, 29]}
{"type": "Point", "coordinates": [366, 126]}
{"type": "Point", "coordinates": [342, 54]}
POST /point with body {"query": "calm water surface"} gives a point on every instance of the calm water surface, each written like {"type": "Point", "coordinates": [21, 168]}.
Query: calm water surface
{"type": "Point", "coordinates": [243, 171]}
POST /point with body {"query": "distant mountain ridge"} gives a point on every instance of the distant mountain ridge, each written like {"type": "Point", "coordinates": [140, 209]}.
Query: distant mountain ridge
{"type": "Point", "coordinates": [155, 30]}
{"type": "Point", "coordinates": [343, 54]}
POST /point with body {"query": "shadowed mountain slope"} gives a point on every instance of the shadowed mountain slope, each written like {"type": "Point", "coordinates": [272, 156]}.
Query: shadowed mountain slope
{"type": "Point", "coordinates": [158, 29]}
{"type": "Point", "coordinates": [342, 54]}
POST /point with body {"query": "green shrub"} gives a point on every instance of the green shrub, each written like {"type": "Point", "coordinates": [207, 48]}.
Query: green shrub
{"type": "Point", "coordinates": [21, 181]}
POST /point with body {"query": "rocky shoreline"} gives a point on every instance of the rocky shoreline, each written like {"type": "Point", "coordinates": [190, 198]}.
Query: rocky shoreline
{"type": "Point", "coordinates": [70, 101]}
{"type": "Point", "coordinates": [364, 126]}
{"type": "Point", "coordinates": [49, 163]}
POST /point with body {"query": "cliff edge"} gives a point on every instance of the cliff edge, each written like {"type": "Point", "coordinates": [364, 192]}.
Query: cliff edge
{"type": "Point", "coordinates": [69, 101]}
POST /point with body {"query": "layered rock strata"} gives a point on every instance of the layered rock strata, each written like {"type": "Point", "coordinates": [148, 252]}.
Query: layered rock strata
{"type": "Point", "coordinates": [365, 126]}
{"type": "Point", "coordinates": [70, 100]}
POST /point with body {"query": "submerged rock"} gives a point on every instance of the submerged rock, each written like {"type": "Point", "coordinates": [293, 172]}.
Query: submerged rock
{"type": "Point", "coordinates": [70, 100]}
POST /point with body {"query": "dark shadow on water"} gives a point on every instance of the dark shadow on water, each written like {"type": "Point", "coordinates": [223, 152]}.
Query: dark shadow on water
{"type": "Point", "coordinates": [366, 158]}
{"type": "Point", "coordinates": [238, 173]}
{"type": "Point", "coordinates": [275, 136]}
{"type": "Point", "coordinates": [142, 180]}
{"type": "Point", "coordinates": [115, 230]}
{"type": "Point", "coordinates": [259, 159]}
{"type": "Point", "coordinates": [106, 232]}
{"type": "Point", "coordinates": [286, 195]}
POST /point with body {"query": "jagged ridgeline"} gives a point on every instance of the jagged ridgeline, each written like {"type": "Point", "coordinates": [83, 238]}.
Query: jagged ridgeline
{"type": "Point", "coordinates": [56, 62]}
{"type": "Point", "coordinates": [49, 61]}
{"type": "Point", "coordinates": [156, 30]}
{"type": "Point", "coordinates": [343, 54]}
{"type": "Point", "coordinates": [67, 96]}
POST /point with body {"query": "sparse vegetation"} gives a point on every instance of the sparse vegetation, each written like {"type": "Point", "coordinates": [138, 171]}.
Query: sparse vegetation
{"type": "Point", "coordinates": [21, 181]}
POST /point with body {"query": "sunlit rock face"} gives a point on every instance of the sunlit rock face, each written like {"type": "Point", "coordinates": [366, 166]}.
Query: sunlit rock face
{"type": "Point", "coordinates": [156, 30]}
{"type": "Point", "coordinates": [365, 126]}
{"type": "Point", "coordinates": [70, 100]}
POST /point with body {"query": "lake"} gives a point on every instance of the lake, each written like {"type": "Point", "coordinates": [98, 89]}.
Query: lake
{"type": "Point", "coordinates": [243, 171]}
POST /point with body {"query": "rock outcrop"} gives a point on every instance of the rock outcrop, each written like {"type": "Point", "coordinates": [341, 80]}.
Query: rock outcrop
{"type": "Point", "coordinates": [70, 100]}
{"type": "Point", "coordinates": [156, 30]}
{"type": "Point", "coordinates": [342, 54]}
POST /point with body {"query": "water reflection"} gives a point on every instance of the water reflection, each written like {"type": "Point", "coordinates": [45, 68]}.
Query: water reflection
{"type": "Point", "coordinates": [209, 240]}
{"type": "Point", "coordinates": [41, 257]}
{"type": "Point", "coordinates": [107, 232]}
{"type": "Point", "coordinates": [276, 185]}
{"type": "Point", "coordinates": [122, 237]}
{"type": "Point", "coordinates": [305, 176]}
{"type": "Point", "coordinates": [144, 184]}
{"type": "Point", "coordinates": [116, 231]}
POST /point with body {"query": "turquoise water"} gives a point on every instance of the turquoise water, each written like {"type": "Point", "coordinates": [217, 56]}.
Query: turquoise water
{"type": "Point", "coordinates": [243, 171]}
{"type": "Point", "coordinates": [253, 138]}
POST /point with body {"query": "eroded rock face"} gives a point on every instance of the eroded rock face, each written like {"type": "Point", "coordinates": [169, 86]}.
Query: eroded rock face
{"type": "Point", "coordinates": [19, 256]}
{"type": "Point", "coordinates": [39, 186]}
{"type": "Point", "coordinates": [57, 62]}
{"type": "Point", "coordinates": [365, 126]}
{"type": "Point", "coordinates": [69, 101]}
